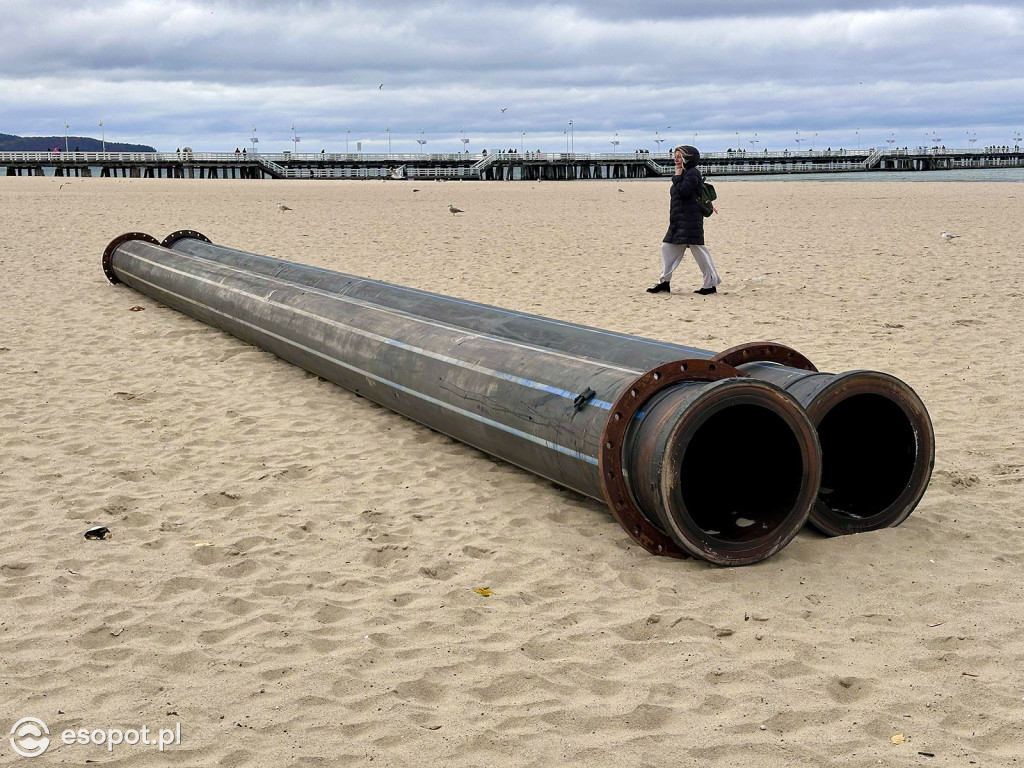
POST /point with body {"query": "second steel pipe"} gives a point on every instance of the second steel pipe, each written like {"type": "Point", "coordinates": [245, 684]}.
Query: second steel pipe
{"type": "Point", "coordinates": [877, 442]}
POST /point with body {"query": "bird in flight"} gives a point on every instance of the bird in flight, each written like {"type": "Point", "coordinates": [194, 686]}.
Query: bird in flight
{"type": "Point", "coordinates": [282, 207]}
{"type": "Point", "coordinates": [504, 108]}
{"type": "Point", "coordinates": [948, 236]}
{"type": "Point", "coordinates": [455, 210]}
{"type": "Point", "coordinates": [380, 87]}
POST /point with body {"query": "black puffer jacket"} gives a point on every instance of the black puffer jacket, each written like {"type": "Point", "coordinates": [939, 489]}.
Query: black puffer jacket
{"type": "Point", "coordinates": [685, 221]}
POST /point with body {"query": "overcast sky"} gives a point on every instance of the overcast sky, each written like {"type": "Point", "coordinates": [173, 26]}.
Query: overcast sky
{"type": "Point", "coordinates": [717, 74]}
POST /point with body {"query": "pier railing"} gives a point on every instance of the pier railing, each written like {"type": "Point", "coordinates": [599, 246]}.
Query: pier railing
{"type": "Point", "coordinates": [495, 165]}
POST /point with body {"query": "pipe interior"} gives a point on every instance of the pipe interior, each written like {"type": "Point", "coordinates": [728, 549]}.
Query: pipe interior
{"type": "Point", "coordinates": [868, 453]}
{"type": "Point", "coordinates": [742, 473]}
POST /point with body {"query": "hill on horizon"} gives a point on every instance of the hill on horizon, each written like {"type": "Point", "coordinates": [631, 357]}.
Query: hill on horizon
{"type": "Point", "coordinates": [12, 143]}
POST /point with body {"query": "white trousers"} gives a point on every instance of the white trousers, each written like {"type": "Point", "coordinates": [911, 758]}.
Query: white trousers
{"type": "Point", "coordinates": [672, 254]}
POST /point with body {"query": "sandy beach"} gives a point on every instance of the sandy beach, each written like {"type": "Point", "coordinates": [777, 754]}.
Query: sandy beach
{"type": "Point", "coordinates": [293, 571]}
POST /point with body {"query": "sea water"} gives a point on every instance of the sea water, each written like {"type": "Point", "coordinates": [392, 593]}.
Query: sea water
{"type": "Point", "coordinates": [959, 174]}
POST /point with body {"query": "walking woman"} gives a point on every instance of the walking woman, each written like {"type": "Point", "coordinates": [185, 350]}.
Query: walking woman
{"type": "Point", "coordinates": [685, 225]}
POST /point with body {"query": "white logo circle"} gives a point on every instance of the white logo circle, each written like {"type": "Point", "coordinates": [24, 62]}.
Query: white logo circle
{"type": "Point", "coordinates": [30, 737]}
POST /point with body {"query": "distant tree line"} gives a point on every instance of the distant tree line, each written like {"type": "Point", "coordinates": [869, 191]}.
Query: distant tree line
{"type": "Point", "coordinates": [11, 143]}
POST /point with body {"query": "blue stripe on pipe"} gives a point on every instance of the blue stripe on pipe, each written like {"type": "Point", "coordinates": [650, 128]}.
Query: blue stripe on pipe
{"type": "Point", "coordinates": [394, 385]}
{"type": "Point", "coordinates": [603, 404]}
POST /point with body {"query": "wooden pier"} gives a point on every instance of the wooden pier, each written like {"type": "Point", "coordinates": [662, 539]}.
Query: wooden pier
{"type": "Point", "coordinates": [494, 166]}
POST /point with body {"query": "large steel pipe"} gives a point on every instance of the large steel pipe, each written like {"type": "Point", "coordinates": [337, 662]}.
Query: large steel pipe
{"type": "Point", "coordinates": [877, 442]}
{"type": "Point", "coordinates": [668, 450]}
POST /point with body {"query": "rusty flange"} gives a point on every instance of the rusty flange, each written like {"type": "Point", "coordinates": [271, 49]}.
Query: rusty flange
{"type": "Point", "coordinates": [181, 234]}
{"type": "Point", "coordinates": [613, 482]}
{"type": "Point", "coordinates": [108, 252]}
{"type": "Point", "coordinates": [764, 352]}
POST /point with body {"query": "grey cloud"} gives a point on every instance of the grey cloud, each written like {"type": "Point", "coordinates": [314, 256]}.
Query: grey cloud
{"type": "Point", "coordinates": [211, 69]}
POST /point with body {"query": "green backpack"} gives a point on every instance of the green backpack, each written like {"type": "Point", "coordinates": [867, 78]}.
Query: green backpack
{"type": "Point", "coordinates": [706, 196]}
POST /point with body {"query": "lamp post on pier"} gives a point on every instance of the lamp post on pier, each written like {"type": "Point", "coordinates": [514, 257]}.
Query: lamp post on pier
{"type": "Point", "coordinates": [66, 126]}
{"type": "Point", "coordinates": [658, 138]}
{"type": "Point", "coordinates": [348, 132]}
{"type": "Point", "coordinates": [253, 139]}
{"type": "Point", "coordinates": [753, 140]}
{"type": "Point", "coordinates": [295, 139]}
{"type": "Point", "coordinates": [103, 137]}
{"type": "Point", "coordinates": [463, 139]}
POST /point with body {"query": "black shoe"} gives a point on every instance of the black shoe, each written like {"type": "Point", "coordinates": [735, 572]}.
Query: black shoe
{"type": "Point", "coordinates": [660, 288]}
{"type": "Point", "coordinates": [706, 291]}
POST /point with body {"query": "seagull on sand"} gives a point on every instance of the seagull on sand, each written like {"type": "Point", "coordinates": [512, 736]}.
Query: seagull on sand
{"type": "Point", "coordinates": [947, 236]}
{"type": "Point", "coordinates": [282, 207]}
{"type": "Point", "coordinates": [455, 210]}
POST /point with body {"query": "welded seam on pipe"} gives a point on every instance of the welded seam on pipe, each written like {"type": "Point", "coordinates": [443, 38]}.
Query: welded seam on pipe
{"type": "Point", "coordinates": [427, 398]}
{"type": "Point", "coordinates": [530, 384]}
{"type": "Point", "coordinates": [674, 350]}
{"type": "Point", "coordinates": [608, 366]}
{"type": "Point", "coordinates": [465, 302]}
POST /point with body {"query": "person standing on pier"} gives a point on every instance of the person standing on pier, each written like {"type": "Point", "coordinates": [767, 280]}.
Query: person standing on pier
{"type": "Point", "coordinates": [685, 225]}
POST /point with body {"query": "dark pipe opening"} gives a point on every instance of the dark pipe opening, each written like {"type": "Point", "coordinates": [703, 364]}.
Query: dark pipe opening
{"type": "Point", "coordinates": [742, 473]}
{"type": "Point", "coordinates": [868, 454]}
